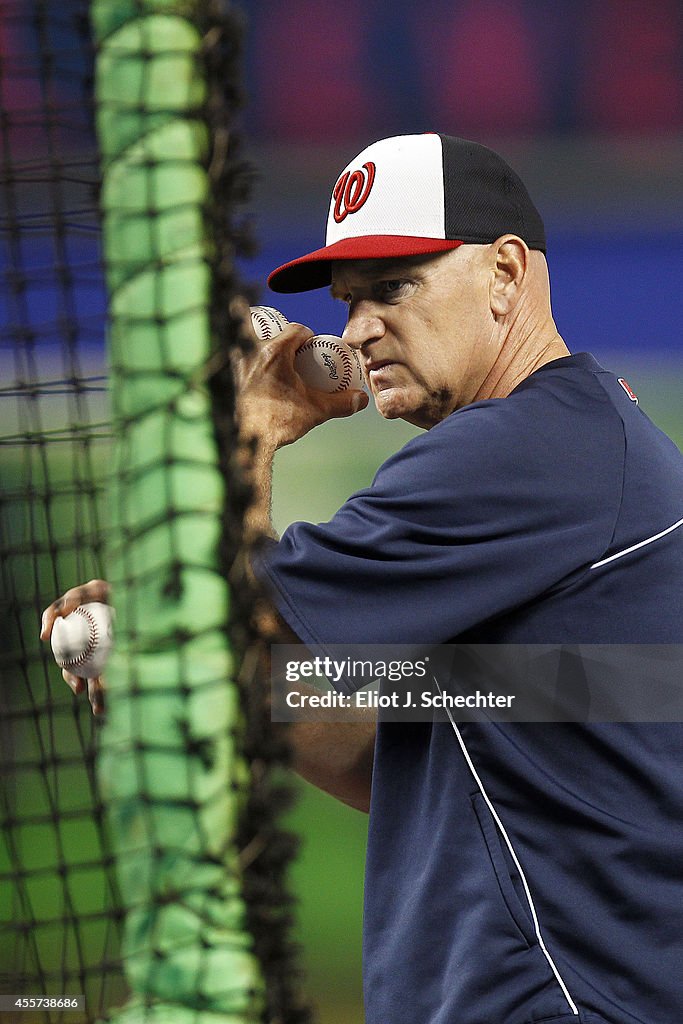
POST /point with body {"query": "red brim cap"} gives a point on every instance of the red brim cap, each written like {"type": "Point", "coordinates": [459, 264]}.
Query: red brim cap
{"type": "Point", "coordinates": [314, 270]}
{"type": "Point", "coordinates": [413, 195]}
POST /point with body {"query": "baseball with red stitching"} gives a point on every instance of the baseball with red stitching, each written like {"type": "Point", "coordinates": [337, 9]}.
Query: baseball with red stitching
{"type": "Point", "coordinates": [325, 362]}
{"type": "Point", "coordinates": [267, 321]}
{"type": "Point", "coordinates": [81, 642]}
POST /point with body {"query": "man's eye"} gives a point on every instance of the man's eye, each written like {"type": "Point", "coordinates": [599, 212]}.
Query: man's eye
{"type": "Point", "coordinates": [388, 289]}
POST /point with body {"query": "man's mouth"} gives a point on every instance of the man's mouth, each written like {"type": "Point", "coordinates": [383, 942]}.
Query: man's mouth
{"type": "Point", "coordinates": [377, 364]}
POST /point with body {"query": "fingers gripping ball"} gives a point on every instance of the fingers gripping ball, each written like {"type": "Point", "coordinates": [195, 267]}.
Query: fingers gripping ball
{"type": "Point", "coordinates": [81, 642]}
{"type": "Point", "coordinates": [325, 362]}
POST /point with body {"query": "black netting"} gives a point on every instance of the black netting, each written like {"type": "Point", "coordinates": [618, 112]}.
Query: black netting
{"type": "Point", "coordinates": [62, 888]}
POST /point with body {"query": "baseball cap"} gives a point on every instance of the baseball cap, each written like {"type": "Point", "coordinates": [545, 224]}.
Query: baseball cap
{"type": "Point", "coordinates": [415, 194]}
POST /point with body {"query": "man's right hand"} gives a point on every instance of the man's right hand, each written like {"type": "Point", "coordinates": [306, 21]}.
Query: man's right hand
{"type": "Point", "coordinates": [275, 407]}
{"type": "Point", "coordinates": [275, 404]}
{"type": "Point", "coordinates": [95, 590]}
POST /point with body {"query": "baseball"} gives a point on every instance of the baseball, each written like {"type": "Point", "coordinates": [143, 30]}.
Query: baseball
{"type": "Point", "coordinates": [325, 362]}
{"type": "Point", "coordinates": [81, 642]}
{"type": "Point", "coordinates": [267, 321]}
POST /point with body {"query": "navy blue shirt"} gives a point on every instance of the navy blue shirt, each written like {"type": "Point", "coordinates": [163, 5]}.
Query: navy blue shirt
{"type": "Point", "coordinates": [516, 873]}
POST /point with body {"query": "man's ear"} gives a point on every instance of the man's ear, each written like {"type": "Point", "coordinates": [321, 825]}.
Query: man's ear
{"type": "Point", "coordinates": [509, 265]}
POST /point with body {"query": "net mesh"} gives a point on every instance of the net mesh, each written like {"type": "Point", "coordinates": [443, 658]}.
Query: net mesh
{"type": "Point", "coordinates": [59, 924]}
{"type": "Point", "coordinates": [140, 863]}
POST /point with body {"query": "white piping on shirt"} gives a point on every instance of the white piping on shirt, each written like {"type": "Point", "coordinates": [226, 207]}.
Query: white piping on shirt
{"type": "Point", "coordinates": [640, 544]}
{"type": "Point", "coordinates": [527, 891]}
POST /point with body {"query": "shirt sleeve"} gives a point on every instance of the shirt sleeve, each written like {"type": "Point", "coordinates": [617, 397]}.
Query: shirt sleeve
{"type": "Point", "coordinates": [488, 510]}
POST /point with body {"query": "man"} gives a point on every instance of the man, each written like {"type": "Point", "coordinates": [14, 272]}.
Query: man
{"type": "Point", "coordinates": [516, 874]}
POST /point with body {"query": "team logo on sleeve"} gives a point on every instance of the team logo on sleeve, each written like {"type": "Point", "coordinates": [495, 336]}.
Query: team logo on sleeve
{"type": "Point", "coordinates": [628, 389]}
{"type": "Point", "coordinates": [352, 191]}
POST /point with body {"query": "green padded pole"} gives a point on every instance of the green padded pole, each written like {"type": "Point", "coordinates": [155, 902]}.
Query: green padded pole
{"type": "Point", "coordinates": [170, 766]}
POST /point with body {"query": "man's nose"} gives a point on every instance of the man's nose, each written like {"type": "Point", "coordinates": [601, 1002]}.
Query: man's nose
{"type": "Point", "coordinates": [361, 328]}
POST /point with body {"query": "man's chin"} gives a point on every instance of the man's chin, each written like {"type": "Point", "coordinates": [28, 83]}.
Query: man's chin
{"type": "Point", "coordinates": [390, 403]}
{"type": "Point", "coordinates": [395, 404]}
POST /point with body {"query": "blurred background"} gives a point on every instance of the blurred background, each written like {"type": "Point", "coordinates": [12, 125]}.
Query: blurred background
{"type": "Point", "coordinates": [585, 99]}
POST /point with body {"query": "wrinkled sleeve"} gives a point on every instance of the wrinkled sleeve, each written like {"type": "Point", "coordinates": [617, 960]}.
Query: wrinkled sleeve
{"type": "Point", "coordinates": [485, 512]}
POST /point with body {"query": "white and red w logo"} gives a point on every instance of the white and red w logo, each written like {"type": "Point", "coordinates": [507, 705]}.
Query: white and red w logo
{"type": "Point", "coordinates": [352, 190]}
